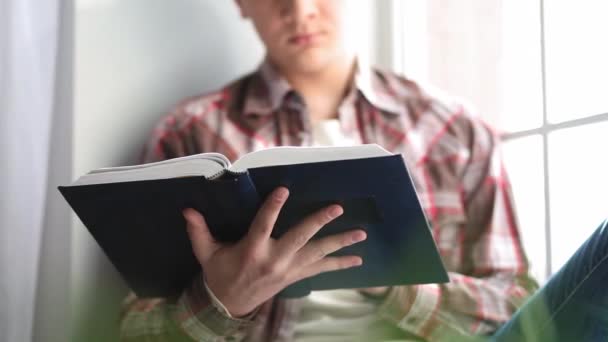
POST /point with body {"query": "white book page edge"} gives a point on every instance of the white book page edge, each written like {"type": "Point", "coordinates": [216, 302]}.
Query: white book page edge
{"type": "Point", "coordinates": [204, 164]}
{"type": "Point", "coordinates": [217, 157]}
{"type": "Point", "coordinates": [289, 155]}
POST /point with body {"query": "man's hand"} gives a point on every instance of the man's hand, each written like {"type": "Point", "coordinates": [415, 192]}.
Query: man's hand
{"type": "Point", "coordinates": [248, 273]}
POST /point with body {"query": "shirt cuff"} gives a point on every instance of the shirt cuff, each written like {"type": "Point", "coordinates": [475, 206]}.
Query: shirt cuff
{"type": "Point", "coordinates": [411, 310]}
{"type": "Point", "coordinates": [202, 318]}
{"type": "Point", "coordinates": [216, 302]}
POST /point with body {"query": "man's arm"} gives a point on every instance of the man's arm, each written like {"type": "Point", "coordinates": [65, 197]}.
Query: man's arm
{"type": "Point", "coordinates": [479, 302]}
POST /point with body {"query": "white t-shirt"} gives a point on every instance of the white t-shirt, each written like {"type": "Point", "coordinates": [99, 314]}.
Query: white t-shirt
{"type": "Point", "coordinates": [333, 315]}
{"type": "Point", "coordinates": [329, 133]}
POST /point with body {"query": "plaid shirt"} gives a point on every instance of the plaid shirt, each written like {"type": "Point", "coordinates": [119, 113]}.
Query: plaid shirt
{"type": "Point", "coordinates": [456, 167]}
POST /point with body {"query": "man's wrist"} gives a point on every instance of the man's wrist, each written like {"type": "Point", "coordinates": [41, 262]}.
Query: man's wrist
{"type": "Point", "coordinates": [200, 317]}
{"type": "Point", "coordinates": [222, 308]}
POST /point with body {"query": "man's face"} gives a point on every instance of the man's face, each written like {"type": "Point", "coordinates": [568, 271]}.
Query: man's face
{"type": "Point", "coordinates": [302, 35]}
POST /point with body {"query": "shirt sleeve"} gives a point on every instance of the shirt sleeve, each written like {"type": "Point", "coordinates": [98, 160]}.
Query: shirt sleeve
{"type": "Point", "coordinates": [478, 302]}
{"type": "Point", "coordinates": [192, 317]}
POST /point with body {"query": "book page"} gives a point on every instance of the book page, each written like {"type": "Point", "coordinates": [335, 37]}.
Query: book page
{"type": "Point", "coordinates": [203, 164]}
{"type": "Point", "coordinates": [287, 155]}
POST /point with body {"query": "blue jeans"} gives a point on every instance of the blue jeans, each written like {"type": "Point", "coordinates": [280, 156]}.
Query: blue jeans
{"type": "Point", "coordinates": [573, 305]}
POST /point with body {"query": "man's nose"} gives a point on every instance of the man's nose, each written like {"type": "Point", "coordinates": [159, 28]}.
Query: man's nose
{"type": "Point", "coordinates": [300, 10]}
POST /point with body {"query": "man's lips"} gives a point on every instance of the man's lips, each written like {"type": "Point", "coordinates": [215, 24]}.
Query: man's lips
{"type": "Point", "coordinates": [304, 38]}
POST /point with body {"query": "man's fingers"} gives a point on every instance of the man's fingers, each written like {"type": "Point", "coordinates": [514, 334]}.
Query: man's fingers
{"type": "Point", "coordinates": [203, 243]}
{"type": "Point", "coordinates": [319, 249]}
{"type": "Point", "coordinates": [328, 264]}
{"type": "Point", "coordinates": [292, 241]}
{"type": "Point", "coordinates": [266, 217]}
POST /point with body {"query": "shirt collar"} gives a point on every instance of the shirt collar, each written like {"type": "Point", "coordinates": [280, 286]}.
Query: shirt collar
{"type": "Point", "coordinates": [268, 89]}
{"type": "Point", "coordinates": [376, 90]}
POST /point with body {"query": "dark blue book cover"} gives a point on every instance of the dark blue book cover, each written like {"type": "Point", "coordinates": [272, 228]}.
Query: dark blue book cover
{"type": "Point", "coordinates": [139, 224]}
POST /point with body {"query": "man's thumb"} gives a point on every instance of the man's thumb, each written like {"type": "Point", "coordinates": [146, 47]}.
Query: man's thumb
{"type": "Point", "coordinates": [203, 243]}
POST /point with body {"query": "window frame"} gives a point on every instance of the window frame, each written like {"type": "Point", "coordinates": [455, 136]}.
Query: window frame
{"type": "Point", "coordinates": [407, 19]}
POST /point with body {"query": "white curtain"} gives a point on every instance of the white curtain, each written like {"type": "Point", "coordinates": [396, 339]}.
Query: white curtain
{"type": "Point", "coordinates": [29, 38]}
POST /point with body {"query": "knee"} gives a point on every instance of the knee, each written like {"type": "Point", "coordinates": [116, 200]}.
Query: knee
{"type": "Point", "coordinates": [603, 229]}
{"type": "Point", "coordinates": [602, 233]}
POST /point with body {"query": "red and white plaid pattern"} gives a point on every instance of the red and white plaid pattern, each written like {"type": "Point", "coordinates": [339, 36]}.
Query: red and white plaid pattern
{"type": "Point", "coordinates": [456, 167]}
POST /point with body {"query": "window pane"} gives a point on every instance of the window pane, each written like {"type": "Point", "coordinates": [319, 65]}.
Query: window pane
{"type": "Point", "coordinates": [576, 55]}
{"type": "Point", "coordinates": [578, 187]}
{"type": "Point", "coordinates": [487, 52]}
{"type": "Point", "coordinates": [524, 163]}
{"type": "Point", "coordinates": [520, 105]}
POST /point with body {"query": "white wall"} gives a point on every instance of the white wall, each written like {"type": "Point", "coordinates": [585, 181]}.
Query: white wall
{"type": "Point", "coordinates": [133, 61]}
{"type": "Point", "coordinates": [28, 50]}
{"type": "Point", "coordinates": [52, 323]}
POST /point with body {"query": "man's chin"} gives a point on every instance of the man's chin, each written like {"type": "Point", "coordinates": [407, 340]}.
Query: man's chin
{"type": "Point", "coordinates": [308, 64]}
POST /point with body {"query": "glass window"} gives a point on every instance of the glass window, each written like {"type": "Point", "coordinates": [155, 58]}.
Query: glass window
{"type": "Point", "coordinates": [491, 53]}
{"type": "Point", "coordinates": [487, 52]}
{"type": "Point", "coordinates": [576, 36]}
{"type": "Point", "coordinates": [524, 163]}
{"type": "Point", "coordinates": [578, 187]}
{"type": "Point", "coordinates": [520, 104]}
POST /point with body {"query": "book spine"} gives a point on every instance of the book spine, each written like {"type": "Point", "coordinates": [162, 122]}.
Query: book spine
{"type": "Point", "coordinates": [226, 173]}
{"type": "Point", "coordinates": [229, 204]}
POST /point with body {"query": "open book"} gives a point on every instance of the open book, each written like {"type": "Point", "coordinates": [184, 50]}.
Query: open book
{"type": "Point", "coordinates": [215, 165]}
{"type": "Point", "coordinates": [134, 213]}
